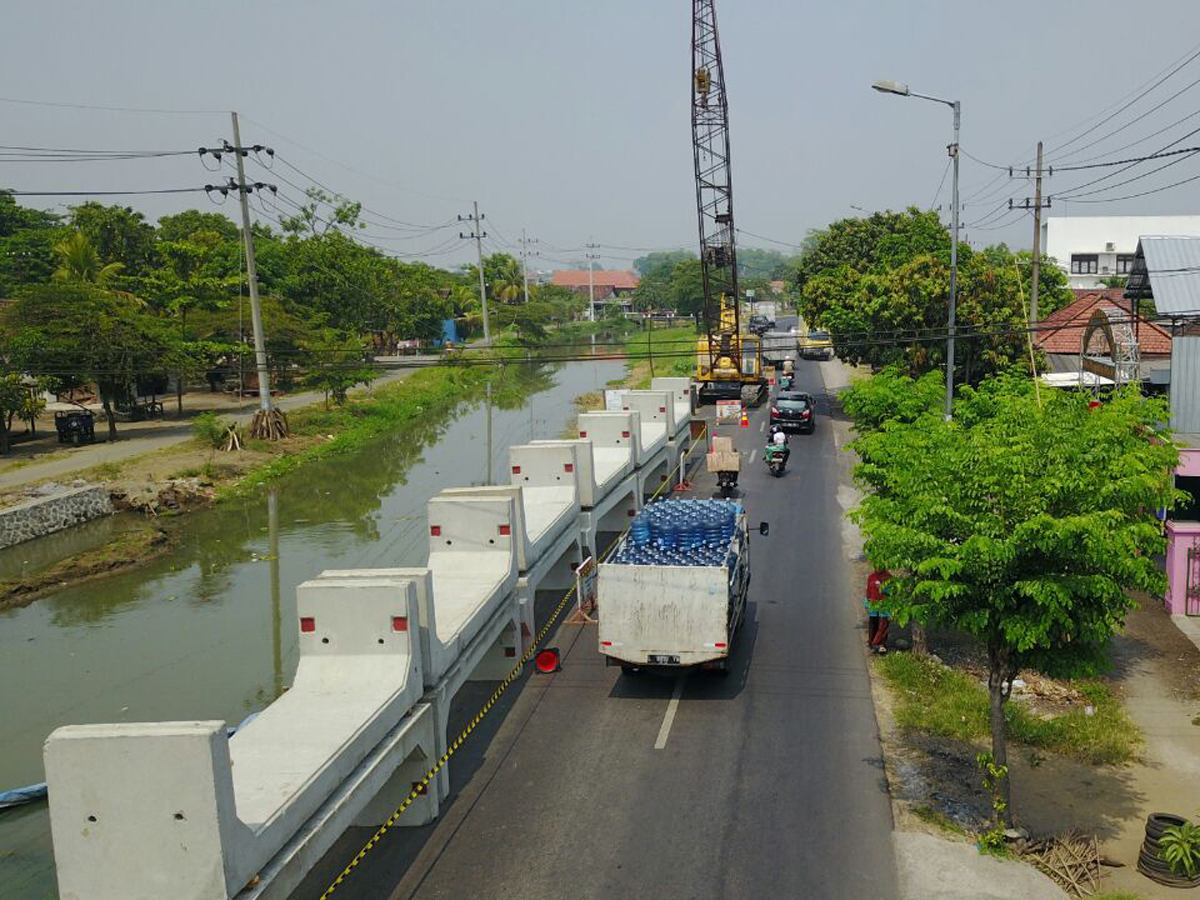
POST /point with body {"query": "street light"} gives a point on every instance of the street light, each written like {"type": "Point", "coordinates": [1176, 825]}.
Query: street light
{"type": "Point", "coordinates": [902, 90]}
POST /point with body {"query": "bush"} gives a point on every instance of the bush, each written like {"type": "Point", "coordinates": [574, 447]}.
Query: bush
{"type": "Point", "coordinates": [209, 430]}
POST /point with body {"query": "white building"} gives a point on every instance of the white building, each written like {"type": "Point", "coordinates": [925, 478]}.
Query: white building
{"type": "Point", "coordinates": [1089, 248]}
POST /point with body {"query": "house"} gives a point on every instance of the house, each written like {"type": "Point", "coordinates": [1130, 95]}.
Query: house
{"type": "Point", "coordinates": [1089, 248]}
{"type": "Point", "coordinates": [1060, 335]}
{"type": "Point", "coordinates": [1166, 270]}
{"type": "Point", "coordinates": [605, 285]}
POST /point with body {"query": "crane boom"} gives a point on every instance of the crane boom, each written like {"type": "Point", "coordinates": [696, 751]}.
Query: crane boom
{"type": "Point", "coordinates": [720, 363]}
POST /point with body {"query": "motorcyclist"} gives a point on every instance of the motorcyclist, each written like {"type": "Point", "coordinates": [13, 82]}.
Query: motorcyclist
{"type": "Point", "coordinates": [778, 442]}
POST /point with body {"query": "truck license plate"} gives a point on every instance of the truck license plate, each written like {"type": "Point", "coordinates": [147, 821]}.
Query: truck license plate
{"type": "Point", "coordinates": [661, 659]}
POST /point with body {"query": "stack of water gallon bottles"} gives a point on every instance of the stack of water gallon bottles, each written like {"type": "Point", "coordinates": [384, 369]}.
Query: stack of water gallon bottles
{"type": "Point", "coordinates": [681, 533]}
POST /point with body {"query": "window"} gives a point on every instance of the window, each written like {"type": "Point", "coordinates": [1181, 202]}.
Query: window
{"type": "Point", "coordinates": [1085, 263]}
{"type": "Point", "coordinates": [1124, 263]}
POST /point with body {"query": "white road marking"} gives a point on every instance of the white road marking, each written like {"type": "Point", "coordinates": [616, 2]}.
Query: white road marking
{"type": "Point", "coordinates": [665, 731]}
{"type": "Point", "coordinates": [753, 453]}
{"type": "Point", "coordinates": [762, 426]}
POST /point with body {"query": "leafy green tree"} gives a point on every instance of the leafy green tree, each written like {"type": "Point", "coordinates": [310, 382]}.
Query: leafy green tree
{"type": "Point", "coordinates": [1023, 522]}
{"type": "Point", "coordinates": [687, 288]}
{"type": "Point", "coordinates": [119, 234]}
{"type": "Point", "coordinates": [322, 214]}
{"type": "Point", "coordinates": [337, 364]}
{"type": "Point", "coordinates": [79, 262]}
{"type": "Point", "coordinates": [661, 263]}
{"type": "Point", "coordinates": [182, 226]}
{"type": "Point", "coordinates": [756, 264]}
{"type": "Point", "coordinates": [19, 400]}
{"type": "Point", "coordinates": [654, 292]}
{"type": "Point", "coordinates": [74, 334]}
{"type": "Point", "coordinates": [508, 279]}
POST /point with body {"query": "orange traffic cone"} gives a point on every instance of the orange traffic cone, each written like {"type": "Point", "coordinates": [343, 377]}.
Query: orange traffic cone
{"type": "Point", "coordinates": [745, 421]}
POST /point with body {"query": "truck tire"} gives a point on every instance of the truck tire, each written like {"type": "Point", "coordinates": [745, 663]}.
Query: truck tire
{"type": "Point", "coordinates": [631, 671]}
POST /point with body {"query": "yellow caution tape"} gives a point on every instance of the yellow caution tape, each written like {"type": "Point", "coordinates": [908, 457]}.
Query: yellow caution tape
{"type": "Point", "coordinates": [486, 708]}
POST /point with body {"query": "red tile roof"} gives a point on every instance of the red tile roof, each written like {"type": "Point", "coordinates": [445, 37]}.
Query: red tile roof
{"type": "Point", "coordinates": [1062, 331]}
{"type": "Point", "coordinates": [617, 279]}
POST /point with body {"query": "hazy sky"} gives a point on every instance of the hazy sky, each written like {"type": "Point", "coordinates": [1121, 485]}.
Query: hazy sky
{"type": "Point", "coordinates": [571, 119]}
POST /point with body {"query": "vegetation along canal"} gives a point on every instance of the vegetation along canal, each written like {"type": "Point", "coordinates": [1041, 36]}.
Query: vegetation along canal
{"type": "Point", "coordinates": [208, 630]}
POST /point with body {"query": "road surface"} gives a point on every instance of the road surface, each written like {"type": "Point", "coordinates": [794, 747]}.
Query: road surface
{"type": "Point", "coordinates": [767, 783]}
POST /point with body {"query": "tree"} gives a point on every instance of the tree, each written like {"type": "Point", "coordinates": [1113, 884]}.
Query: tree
{"type": "Point", "coordinates": [507, 284]}
{"type": "Point", "coordinates": [74, 334]}
{"type": "Point", "coordinates": [78, 261]}
{"type": "Point", "coordinates": [182, 226]}
{"type": "Point", "coordinates": [1022, 522]}
{"type": "Point", "coordinates": [653, 292]}
{"type": "Point", "coordinates": [756, 264]}
{"type": "Point", "coordinates": [339, 213]}
{"type": "Point", "coordinates": [119, 234]}
{"type": "Point", "coordinates": [687, 288]}
{"type": "Point", "coordinates": [661, 263]}
{"type": "Point", "coordinates": [338, 364]}
{"type": "Point", "coordinates": [18, 400]}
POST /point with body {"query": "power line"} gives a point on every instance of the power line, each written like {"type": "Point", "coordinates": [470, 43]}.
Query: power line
{"type": "Point", "coordinates": [130, 109]}
{"type": "Point", "coordinates": [190, 190]}
{"type": "Point", "coordinates": [1121, 162]}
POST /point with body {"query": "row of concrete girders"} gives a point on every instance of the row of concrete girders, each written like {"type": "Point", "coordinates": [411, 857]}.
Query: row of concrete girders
{"type": "Point", "coordinates": [178, 809]}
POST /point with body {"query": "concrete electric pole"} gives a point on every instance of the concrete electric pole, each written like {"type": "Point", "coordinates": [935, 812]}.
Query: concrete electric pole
{"type": "Point", "coordinates": [478, 234]}
{"type": "Point", "coordinates": [591, 257]}
{"type": "Point", "coordinates": [1036, 206]}
{"type": "Point", "coordinates": [267, 423]}
{"type": "Point", "coordinates": [525, 242]}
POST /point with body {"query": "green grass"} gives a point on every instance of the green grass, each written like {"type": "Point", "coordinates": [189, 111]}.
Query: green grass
{"type": "Point", "coordinates": [1117, 895]}
{"type": "Point", "coordinates": [943, 702]}
{"type": "Point", "coordinates": [364, 417]}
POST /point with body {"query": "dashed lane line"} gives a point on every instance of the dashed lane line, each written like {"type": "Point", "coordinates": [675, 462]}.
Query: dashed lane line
{"type": "Point", "coordinates": [664, 731]}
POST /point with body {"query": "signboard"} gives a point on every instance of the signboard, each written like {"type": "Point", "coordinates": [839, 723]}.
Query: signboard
{"type": "Point", "coordinates": [729, 409]}
{"type": "Point", "coordinates": [612, 400]}
{"type": "Point", "coordinates": [585, 593]}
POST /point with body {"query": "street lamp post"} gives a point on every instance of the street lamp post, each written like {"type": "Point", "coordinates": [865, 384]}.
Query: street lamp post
{"type": "Point", "coordinates": [902, 90]}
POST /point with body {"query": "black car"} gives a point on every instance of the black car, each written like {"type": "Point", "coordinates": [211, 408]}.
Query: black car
{"type": "Point", "coordinates": [759, 324]}
{"type": "Point", "coordinates": [794, 411]}
{"type": "Point", "coordinates": [75, 427]}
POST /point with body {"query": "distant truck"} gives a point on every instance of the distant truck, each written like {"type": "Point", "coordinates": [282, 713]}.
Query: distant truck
{"type": "Point", "coordinates": [670, 601]}
{"type": "Point", "coordinates": [816, 345]}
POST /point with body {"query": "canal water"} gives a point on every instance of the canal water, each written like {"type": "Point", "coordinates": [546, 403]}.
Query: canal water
{"type": "Point", "coordinates": [209, 630]}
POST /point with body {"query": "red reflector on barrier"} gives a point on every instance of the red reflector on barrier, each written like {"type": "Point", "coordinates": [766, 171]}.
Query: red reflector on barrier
{"type": "Point", "coordinates": [510, 652]}
{"type": "Point", "coordinates": [547, 661]}
{"type": "Point", "coordinates": [583, 434]}
{"type": "Point", "coordinates": [720, 646]}
{"type": "Point", "coordinates": [506, 529]}
{"type": "Point", "coordinates": [568, 467]}
{"type": "Point", "coordinates": [516, 470]}
{"type": "Point", "coordinates": [606, 643]}
{"type": "Point", "coordinates": [399, 623]}
{"type": "Point", "coordinates": [624, 434]}
{"type": "Point", "coordinates": [631, 513]}
{"type": "Point", "coordinates": [662, 409]}
{"type": "Point", "coordinates": [435, 530]}
{"type": "Point", "coordinates": [308, 624]}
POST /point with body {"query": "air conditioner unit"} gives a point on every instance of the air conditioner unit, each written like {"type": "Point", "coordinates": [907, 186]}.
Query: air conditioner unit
{"type": "Point", "coordinates": [1104, 270]}
{"type": "Point", "coordinates": [1110, 247]}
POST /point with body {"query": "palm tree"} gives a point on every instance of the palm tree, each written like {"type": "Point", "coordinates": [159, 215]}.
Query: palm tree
{"type": "Point", "coordinates": [509, 283]}
{"type": "Point", "coordinates": [78, 261]}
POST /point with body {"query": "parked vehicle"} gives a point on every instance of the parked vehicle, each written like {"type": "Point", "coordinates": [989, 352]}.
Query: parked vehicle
{"type": "Point", "coordinates": [816, 345]}
{"type": "Point", "coordinates": [794, 411]}
{"type": "Point", "coordinates": [674, 594]}
{"type": "Point", "coordinates": [75, 426]}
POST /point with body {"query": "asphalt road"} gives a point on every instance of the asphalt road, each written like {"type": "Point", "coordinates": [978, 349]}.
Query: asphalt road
{"type": "Point", "coordinates": [767, 783]}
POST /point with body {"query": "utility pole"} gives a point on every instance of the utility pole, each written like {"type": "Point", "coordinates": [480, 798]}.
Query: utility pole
{"type": "Point", "coordinates": [953, 270]}
{"type": "Point", "coordinates": [591, 257]}
{"type": "Point", "coordinates": [267, 423]}
{"type": "Point", "coordinates": [478, 234]}
{"type": "Point", "coordinates": [1037, 241]}
{"type": "Point", "coordinates": [525, 242]}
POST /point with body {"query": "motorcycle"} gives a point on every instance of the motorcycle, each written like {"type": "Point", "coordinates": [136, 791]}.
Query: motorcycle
{"type": "Point", "coordinates": [775, 457]}
{"type": "Point", "coordinates": [727, 482]}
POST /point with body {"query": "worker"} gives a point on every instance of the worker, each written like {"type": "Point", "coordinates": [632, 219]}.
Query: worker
{"type": "Point", "coordinates": [878, 616]}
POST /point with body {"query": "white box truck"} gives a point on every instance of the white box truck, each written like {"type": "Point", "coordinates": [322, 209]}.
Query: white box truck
{"type": "Point", "coordinates": [674, 608]}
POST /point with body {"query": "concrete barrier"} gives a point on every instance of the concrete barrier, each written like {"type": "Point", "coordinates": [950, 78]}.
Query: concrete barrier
{"type": "Point", "coordinates": [179, 809]}
{"type": "Point", "coordinates": [148, 810]}
{"type": "Point", "coordinates": [681, 393]}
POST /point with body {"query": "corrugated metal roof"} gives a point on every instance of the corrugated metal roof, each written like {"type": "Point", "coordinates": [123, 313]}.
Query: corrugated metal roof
{"type": "Point", "coordinates": [1172, 266]}
{"type": "Point", "coordinates": [1185, 385]}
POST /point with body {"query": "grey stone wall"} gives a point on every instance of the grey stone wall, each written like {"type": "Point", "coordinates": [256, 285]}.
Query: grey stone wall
{"type": "Point", "coordinates": [39, 516]}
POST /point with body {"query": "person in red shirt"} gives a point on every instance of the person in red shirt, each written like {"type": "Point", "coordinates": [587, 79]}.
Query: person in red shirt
{"type": "Point", "coordinates": [877, 614]}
